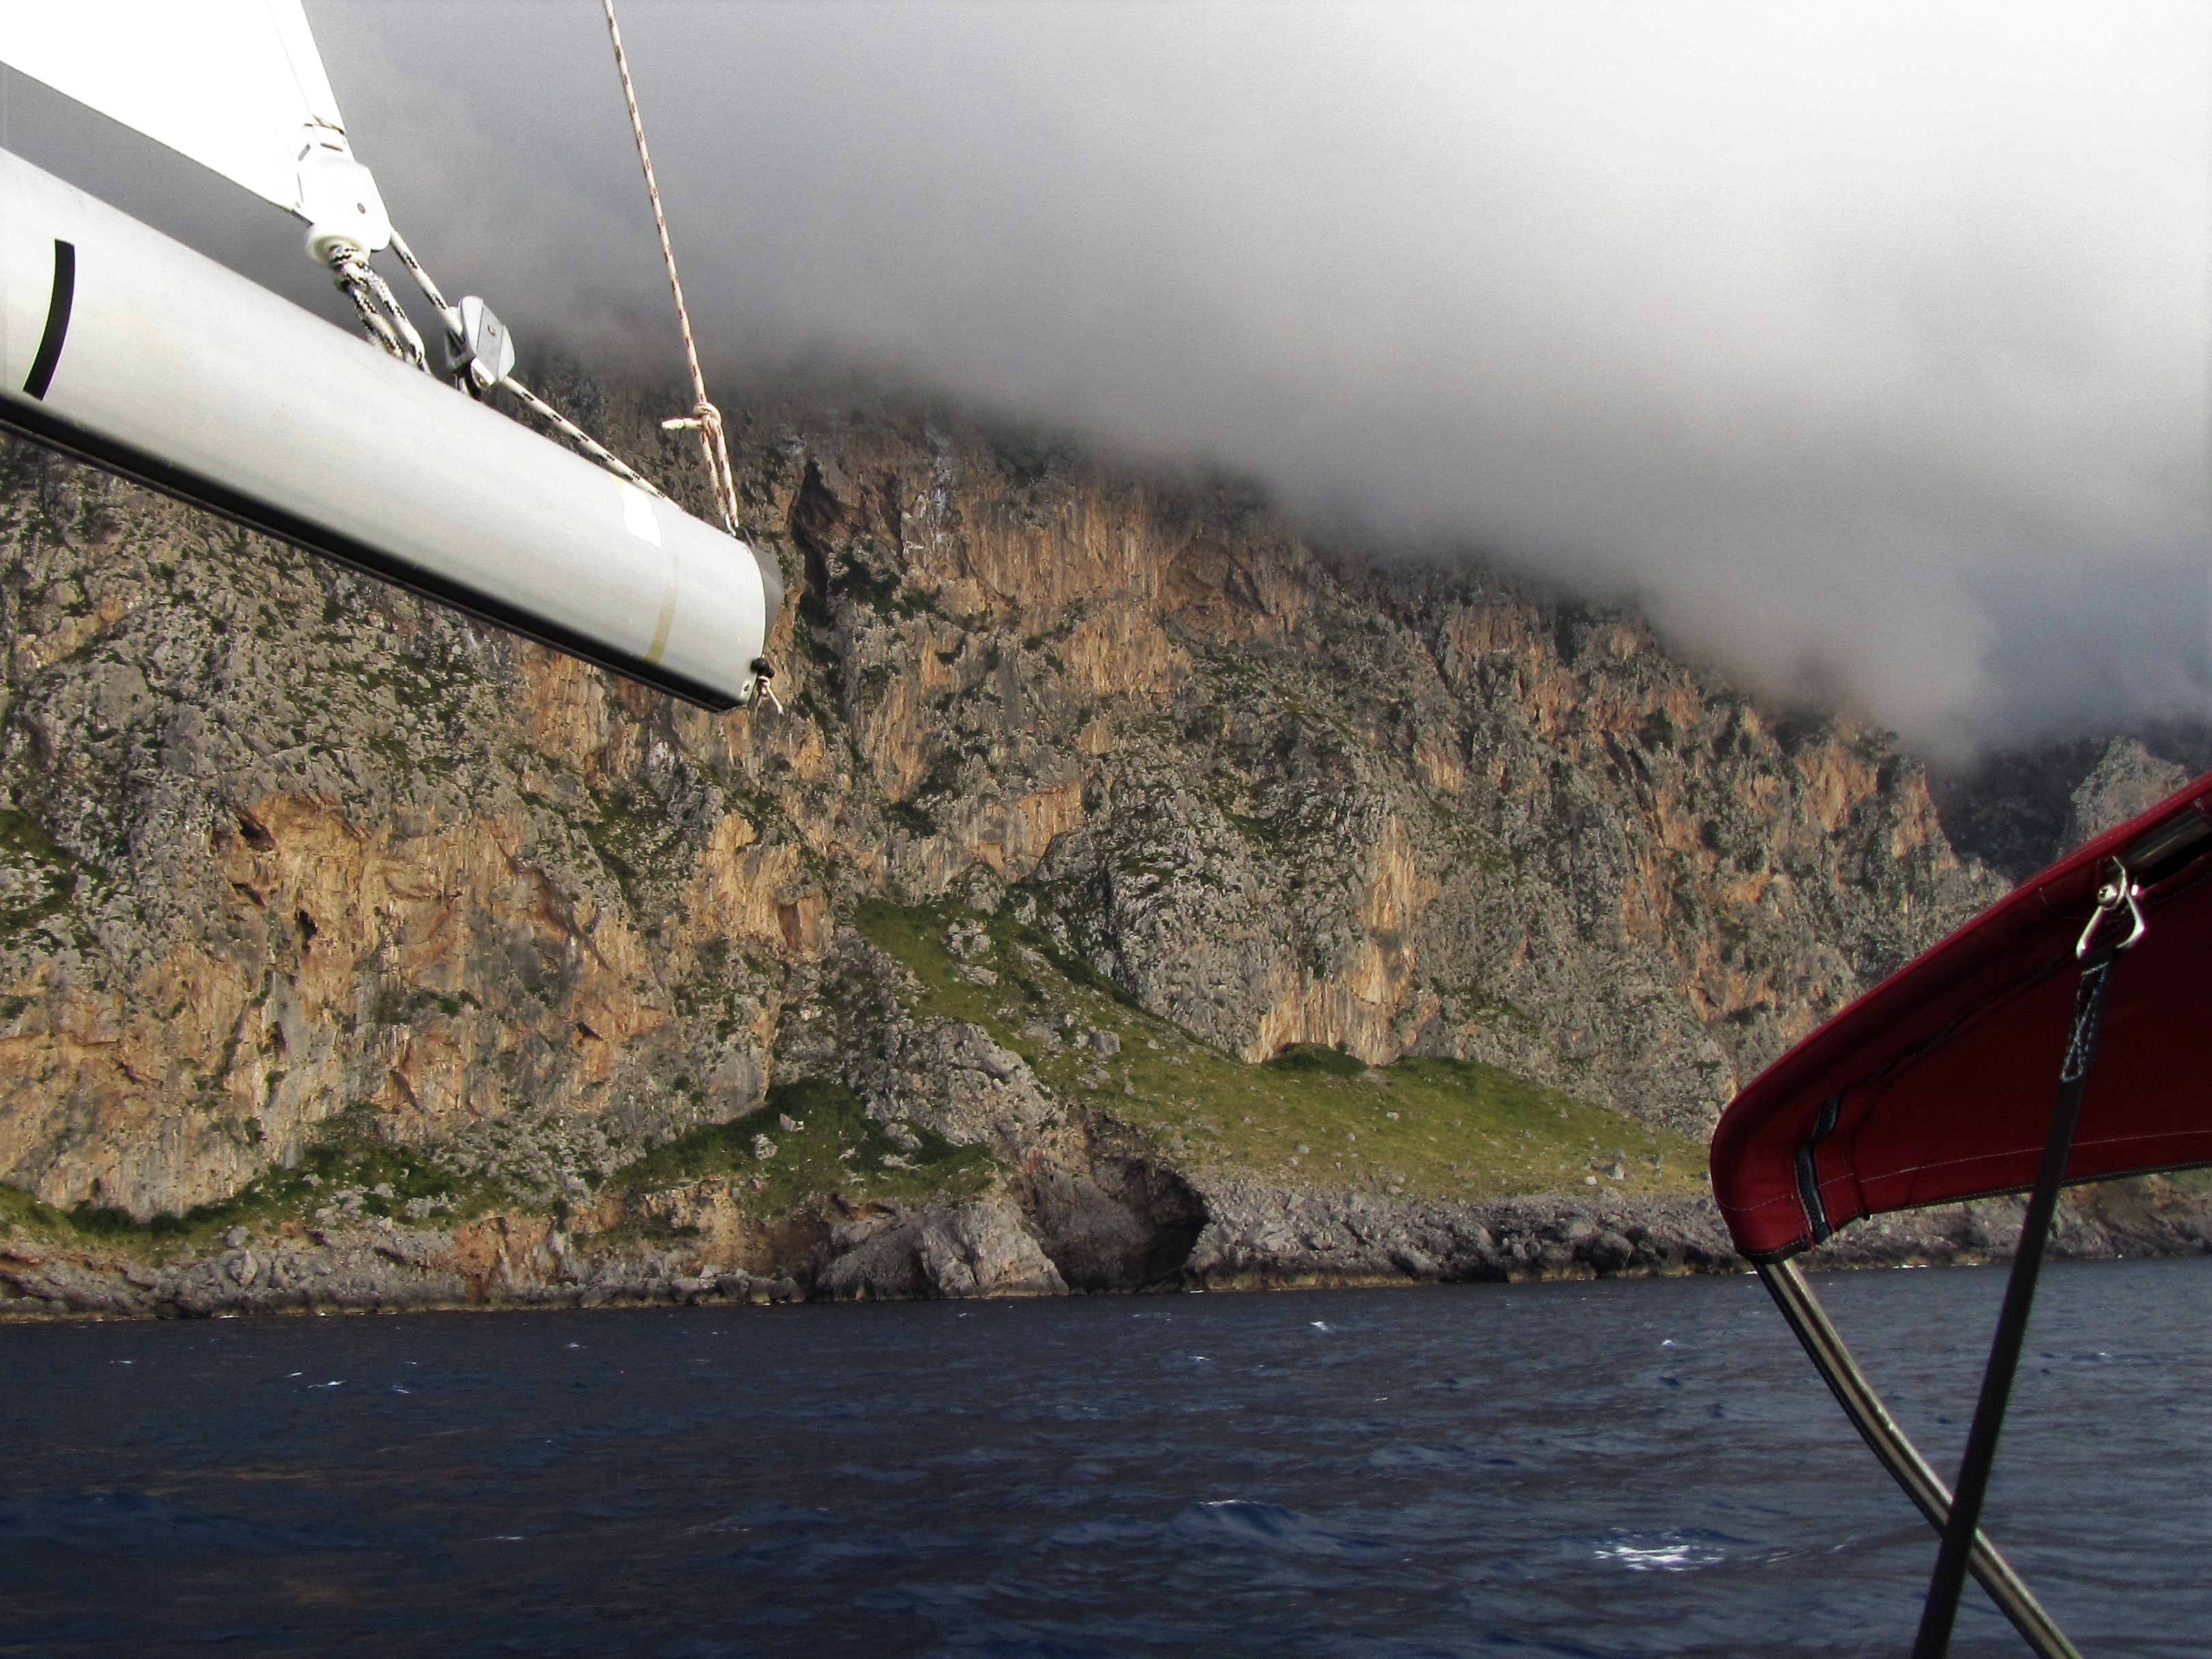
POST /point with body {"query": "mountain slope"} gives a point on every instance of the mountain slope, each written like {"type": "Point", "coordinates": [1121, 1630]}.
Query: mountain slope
{"type": "Point", "coordinates": [292, 860]}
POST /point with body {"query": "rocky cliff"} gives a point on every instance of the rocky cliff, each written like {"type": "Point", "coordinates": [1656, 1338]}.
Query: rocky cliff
{"type": "Point", "coordinates": [1114, 836]}
{"type": "Point", "coordinates": [2018, 809]}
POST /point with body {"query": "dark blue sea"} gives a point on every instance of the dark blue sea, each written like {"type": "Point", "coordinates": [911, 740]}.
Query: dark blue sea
{"type": "Point", "coordinates": [1629, 1467]}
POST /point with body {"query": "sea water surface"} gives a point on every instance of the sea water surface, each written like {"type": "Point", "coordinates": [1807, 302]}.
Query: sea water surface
{"type": "Point", "coordinates": [1626, 1468]}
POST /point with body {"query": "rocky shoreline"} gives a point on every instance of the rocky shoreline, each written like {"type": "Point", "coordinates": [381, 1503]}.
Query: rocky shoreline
{"type": "Point", "coordinates": [1254, 1236]}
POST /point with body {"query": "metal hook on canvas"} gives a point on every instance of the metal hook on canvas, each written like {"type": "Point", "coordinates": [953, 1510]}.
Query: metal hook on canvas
{"type": "Point", "coordinates": [2119, 889]}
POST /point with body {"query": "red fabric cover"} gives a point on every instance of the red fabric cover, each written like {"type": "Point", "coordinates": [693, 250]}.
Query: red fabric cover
{"type": "Point", "coordinates": [1948, 1069]}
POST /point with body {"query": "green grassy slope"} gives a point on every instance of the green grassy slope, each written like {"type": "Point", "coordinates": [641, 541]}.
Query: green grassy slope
{"type": "Point", "coordinates": [1311, 1116]}
{"type": "Point", "coordinates": [817, 1139]}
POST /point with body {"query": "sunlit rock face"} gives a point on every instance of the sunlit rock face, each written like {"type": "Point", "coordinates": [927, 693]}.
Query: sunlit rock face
{"type": "Point", "coordinates": [283, 844]}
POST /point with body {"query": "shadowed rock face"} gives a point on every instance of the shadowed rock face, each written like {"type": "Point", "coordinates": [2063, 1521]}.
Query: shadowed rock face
{"type": "Point", "coordinates": [2127, 779]}
{"type": "Point", "coordinates": [281, 844]}
{"type": "Point", "coordinates": [2019, 810]}
{"type": "Point", "coordinates": [1125, 1224]}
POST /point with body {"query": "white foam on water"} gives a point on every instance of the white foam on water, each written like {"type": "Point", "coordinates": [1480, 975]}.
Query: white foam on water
{"type": "Point", "coordinates": [1664, 1553]}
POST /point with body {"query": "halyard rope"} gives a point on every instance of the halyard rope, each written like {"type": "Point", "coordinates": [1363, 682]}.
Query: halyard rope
{"type": "Point", "coordinates": [705, 418]}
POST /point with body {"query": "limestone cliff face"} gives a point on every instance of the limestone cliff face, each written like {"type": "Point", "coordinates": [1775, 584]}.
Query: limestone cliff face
{"type": "Point", "coordinates": [279, 844]}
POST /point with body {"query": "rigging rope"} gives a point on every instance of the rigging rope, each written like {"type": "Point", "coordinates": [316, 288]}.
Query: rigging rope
{"type": "Point", "coordinates": [705, 419]}
{"type": "Point", "coordinates": [576, 436]}
{"type": "Point", "coordinates": [381, 313]}
{"type": "Point", "coordinates": [457, 341]}
{"type": "Point", "coordinates": [449, 315]}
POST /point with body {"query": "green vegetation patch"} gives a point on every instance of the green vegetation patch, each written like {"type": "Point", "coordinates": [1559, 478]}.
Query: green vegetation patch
{"type": "Point", "coordinates": [1311, 1057]}
{"type": "Point", "coordinates": [21, 1209]}
{"type": "Point", "coordinates": [1310, 1116]}
{"type": "Point", "coordinates": [811, 1138]}
{"type": "Point", "coordinates": [347, 1156]}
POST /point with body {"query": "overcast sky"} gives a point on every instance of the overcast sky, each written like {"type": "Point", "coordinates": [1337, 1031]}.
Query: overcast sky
{"type": "Point", "coordinates": [1866, 344]}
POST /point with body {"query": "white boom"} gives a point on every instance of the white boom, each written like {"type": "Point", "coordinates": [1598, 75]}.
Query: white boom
{"type": "Point", "coordinates": [127, 349]}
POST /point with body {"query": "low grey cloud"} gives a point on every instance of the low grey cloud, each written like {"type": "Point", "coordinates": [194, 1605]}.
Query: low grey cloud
{"type": "Point", "coordinates": [1866, 346]}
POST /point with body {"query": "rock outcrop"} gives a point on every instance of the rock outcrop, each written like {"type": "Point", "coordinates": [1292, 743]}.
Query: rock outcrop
{"type": "Point", "coordinates": [982, 1248]}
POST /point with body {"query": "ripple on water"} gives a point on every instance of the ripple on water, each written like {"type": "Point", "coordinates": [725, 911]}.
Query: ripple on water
{"type": "Point", "coordinates": [1242, 1523]}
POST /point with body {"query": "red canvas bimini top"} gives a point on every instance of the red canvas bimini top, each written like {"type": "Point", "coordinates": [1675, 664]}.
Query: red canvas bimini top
{"type": "Point", "coordinates": [1937, 1084]}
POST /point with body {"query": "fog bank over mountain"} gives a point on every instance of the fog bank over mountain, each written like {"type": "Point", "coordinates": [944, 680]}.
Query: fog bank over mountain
{"type": "Point", "coordinates": [1866, 346]}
